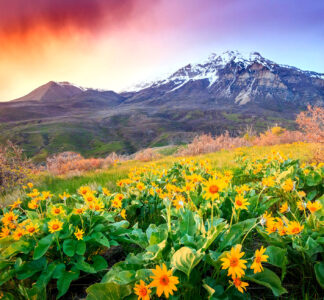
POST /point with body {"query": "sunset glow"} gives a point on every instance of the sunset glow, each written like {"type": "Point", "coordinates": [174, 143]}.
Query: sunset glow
{"type": "Point", "coordinates": [115, 44]}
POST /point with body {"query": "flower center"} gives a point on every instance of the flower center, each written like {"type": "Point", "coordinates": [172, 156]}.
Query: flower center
{"type": "Point", "coordinates": [164, 280]}
{"type": "Point", "coordinates": [234, 262]}
{"type": "Point", "coordinates": [258, 259]}
{"type": "Point", "coordinates": [295, 230]}
{"type": "Point", "coordinates": [213, 189]}
{"type": "Point", "coordinates": [237, 281]}
{"type": "Point", "coordinates": [31, 229]}
{"type": "Point", "coordinates": [55, 226]}
{"type": "Point", "coordinates": [143, 291]}
{"type": "Point", "coordinates": [239, 203]}
{"type": "Point", "coordinates": [57, 210]}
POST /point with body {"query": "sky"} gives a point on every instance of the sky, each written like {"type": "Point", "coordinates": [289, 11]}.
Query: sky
{"type": "Point", "coordinates": [114, 44]}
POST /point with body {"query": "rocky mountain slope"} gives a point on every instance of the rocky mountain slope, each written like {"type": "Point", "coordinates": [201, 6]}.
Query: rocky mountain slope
{"type": "Point", "coordinates": [225, 92]}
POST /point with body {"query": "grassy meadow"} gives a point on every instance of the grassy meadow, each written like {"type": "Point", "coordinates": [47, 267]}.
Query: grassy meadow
{"type": "Point", "coordinates": [222, 160]}
{"type": "Point", "coordinates": [234, 224]}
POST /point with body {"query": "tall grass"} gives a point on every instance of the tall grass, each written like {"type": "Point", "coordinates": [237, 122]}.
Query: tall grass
{"type": "Point", "coordinates": [220, 160]}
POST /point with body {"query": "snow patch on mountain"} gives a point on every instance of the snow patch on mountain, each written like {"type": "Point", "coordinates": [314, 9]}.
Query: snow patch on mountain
{"type": "Point", "coordinates": [209, 70]}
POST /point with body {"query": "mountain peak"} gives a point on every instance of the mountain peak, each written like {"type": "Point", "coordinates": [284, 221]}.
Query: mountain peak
{"type": "Point", "coordinates": [215, 65]}
{"type": "Point", "coordinates": [52, 91]}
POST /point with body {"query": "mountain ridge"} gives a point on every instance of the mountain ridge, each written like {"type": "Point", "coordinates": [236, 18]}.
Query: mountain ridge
{"type": "Point", "coordinates": [224, 92]}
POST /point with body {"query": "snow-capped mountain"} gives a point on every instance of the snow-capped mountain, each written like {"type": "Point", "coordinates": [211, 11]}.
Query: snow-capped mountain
{"type": "Point", "coordinates": [225, 92]}
{"type": "Point", "coordinates": [210, 69]}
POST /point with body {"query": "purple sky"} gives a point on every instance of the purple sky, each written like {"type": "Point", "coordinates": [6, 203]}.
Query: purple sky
{"type": "Point", "coordinates": [113, 44]}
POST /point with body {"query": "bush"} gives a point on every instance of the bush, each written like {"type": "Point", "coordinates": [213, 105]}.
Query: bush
{"type": "Point", "coordinates": [311, 122]}
{"type": "Point", "coordinates": [277, 136]}
{"type": "Point", "coordinates": [72, 163]}
{"type": "Point", "coordinates": [206, 144]}
{"type": "Point", "coordinates": [15, 169]}
{"type": "Point", "coordinates": [147, 155]}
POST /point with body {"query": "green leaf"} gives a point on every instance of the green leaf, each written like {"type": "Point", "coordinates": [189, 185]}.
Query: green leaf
{"type": "Point", "coordinates": [101, 239]}
{"type": "Point", "coordinates": [59, 270]}
{"type": "Point", "coordinates": [156, 235]}
{"type": "Point", "coordinates": [4, 264]}
{"type": "Point", "coordinates": [45, 276]}
{"type": "Point", "coordinates": [28, 269]}
{"type": "Point", "coordinates": [155, 251]}
{"type": "Point", "coordinates": [188, 224]}
{"type": "Point", "coordinates": [278, 258]}
{"type": "Point", "coordinates": [237, 230]}
{"type": "Point", "coordinates": [5, 276]}
{"type": "Point", "coordinates": [185, 259]}
{"type": "Point", "coordinates": [319, 272]}
{"type": "Point", "coordinates": [64, 281]}
{"type": "Point", "coordinates": [119, 276]}
{"type": "Point", "coordinates": [81, 247]}
{"type": "Point", "coordinates": [313, 179]}
{"type": "Point", "coordinates": [312, 247]}
{"type": "Point", "coordinates": [16, 247]}
{"type": "Point", "coordinates": [69, 247]}
{"type": "Point", "coordinates": [99, 263]}
{"type": "Point", "coordinates": [32, 293]}
{"type": "Point", "coordinates": [212, 234]}
{"type": "Point", "coordinates": [268, 279]}
{"type": "Point", "coordinates": [84, 266]}
{"type": "Point", "coordinates": [43, 246]}
{"type": "Point", "coordinates": [108, 291]}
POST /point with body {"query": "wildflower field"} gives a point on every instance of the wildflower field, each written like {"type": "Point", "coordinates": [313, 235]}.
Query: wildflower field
{"type": "Point", "coordinates": [243, 224]}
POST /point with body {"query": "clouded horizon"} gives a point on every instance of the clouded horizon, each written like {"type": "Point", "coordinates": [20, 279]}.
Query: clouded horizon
{"type": "Point", "coordinates": [114, 44]}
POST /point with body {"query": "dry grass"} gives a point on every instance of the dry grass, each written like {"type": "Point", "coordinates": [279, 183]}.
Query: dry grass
{"type": "Point", "coordinates": [73, 164]}
{"type": "Point", "coordinates": [207, 144]}
{"type": "Point", "coordinates": [147, 155]}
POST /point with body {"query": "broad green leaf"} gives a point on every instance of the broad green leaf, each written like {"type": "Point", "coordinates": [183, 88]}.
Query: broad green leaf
{"type": "Point", "coordinates": [33, 293]}
{"type": "Point", "coordinates": [212, 234]}
{"type": "Point", "coordinates": [45, 276]}
{"type": "Point", "coordinates": [99, 263]}
{"type": "Point", "coordinates": [278, 258]}
{"type": "Point", "coordinates": [69, 247]}
{"type": "Point", "coordinates": [108, 291]}
{"type": "Point", "coordinates": [16, 247]}
{"type": "Point", "coordinates": [81, 247]}
{"type": "Point", "coordinates": [6, 275]}
{"type": "Point", "coordinates": [268, 279]}
{"type": "Point", "coordinates": [188, 224]}
{"type": "Point", "coordinates": [101, 239]}
{"type": "Point", "coordinates": [28, 269]}
{"type": "Point", "coordinates": [156, 235]}
{"type": "Point", "coordinates": [312, 247]}
{"type": "Point", "coordinates": [234, 235]}
{"type": "Point", "coordinates": [64, 281]}
{"type": "Point", "coordinates": [84, 266]}
{"type": "Point", "coordinates": [43, 246]}
{"type": "Point", "coordinates": [143, 274]}
{"type": "Point", "coordinates": [313, 179]}
{"type": "Point", "coordinates": [4, 264]}
{"type": "Point", "coordinates": [185, 259]}
{"type": "Point", "coordinates": [119, 276]}
{"type": "Point", "coordinates": [155, 251]}
{"type": "Point", "coordinates": [319, 272]}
